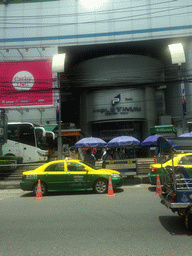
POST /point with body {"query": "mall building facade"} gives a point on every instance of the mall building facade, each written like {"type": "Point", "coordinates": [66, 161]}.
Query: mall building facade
{"type": "Point", "coordinates": [118, 78]}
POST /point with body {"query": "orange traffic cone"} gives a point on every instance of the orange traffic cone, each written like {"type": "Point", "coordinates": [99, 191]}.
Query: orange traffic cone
{"type": "Point", "coordinates": [39, 192]}
{"type": "Point", "coordinates": [110, 188]}
{"type": "Point", "coordinates": [158, 187]}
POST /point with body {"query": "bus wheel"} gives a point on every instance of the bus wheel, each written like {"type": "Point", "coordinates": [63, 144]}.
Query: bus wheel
{"type": "Point", "coordinates": [43, 188]}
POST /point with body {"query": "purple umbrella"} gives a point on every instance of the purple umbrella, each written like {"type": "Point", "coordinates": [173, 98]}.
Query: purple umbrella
{"type": "Point", "coordinates": [188, 134]}
{"type": "Point", "coordinates": [123, 141]}
{"type": "Point", "coordinates": [90, 142]}
{"type": "Point", "coordinates": [151, 140]}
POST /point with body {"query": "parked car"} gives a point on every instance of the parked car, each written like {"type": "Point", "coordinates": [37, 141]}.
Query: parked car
{"type": "Point", "coordinates": [69, 175]}
{"type": "Point", "coordinates": [178, 160]}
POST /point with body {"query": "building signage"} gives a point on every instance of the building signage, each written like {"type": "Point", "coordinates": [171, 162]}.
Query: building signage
{"type": "Point", "coordinates": [162, 129]}
{"type": "Point", "coordinates": [115, 104]}
{"type": "Point", "coordinates": [70, 133]}
{"type": "Point", "coordinates": [23, 81]}
{"type": "Point", "coordinates": [118, 110]}
{"type": "Point", "coordinates": [116, 99]}
{"type": "Point", "coordinates": [115, 110]}
{"type": "Point", "coordinates": [26, 84]}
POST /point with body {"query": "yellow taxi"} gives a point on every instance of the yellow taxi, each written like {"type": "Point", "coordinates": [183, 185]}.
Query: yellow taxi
{"type": "Point", "coordinates": [69, 175]}
{"type": "Point", "coordinates": [178, 160]}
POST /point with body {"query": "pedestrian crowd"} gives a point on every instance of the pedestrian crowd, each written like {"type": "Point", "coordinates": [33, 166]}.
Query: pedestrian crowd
{"type": "Point", "coordinates": [107, 154]}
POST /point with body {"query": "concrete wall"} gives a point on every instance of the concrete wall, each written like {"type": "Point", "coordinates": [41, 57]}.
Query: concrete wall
{"type": "Point", "coordinates": [129, 69]}
{"type": "Point", "coordinates": [66, 23]}
{"type": "Point", "coordinates": [36, 116]}
{"type": "Point", "coordinates": [150, 109]}
{"type": "Point", "coordinates": [72, 22]}
{"type": "Point", "coordinates": [133, 103]}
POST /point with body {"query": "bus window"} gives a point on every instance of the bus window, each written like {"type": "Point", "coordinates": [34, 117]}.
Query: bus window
{"type": "Point", "coordinates": [27, 134]}
{"type": "Point", "coordinates": [23, 133]}
{"type": "Point", "coordinates": [40, 136]}
{"type": "Point", "coordinates": [13, 132]}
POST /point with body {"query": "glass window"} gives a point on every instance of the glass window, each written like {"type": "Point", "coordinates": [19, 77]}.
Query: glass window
{"type": "Point", "coordinates": [40, 139]}
{"type": "Point", "coordinates": [13, 132]}
{"type": "Point", "coordinates": [186, 160]}
{"type": "Point", "coordinates": [57, 167]}
{"type": "Point", "coordinates": [27, 134]}
{"type": "Point", "coordinates": [23, 133]}
{"type": "Point", "coordinates": [75, 167]}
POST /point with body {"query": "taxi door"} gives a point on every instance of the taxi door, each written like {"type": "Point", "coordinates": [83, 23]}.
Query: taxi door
{"type": "Point", "coordinates": [54, 176]}
{"type": "Point", "coordinates": [77, 176]}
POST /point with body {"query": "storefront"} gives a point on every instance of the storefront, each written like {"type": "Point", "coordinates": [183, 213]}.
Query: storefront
{"type": "Point", "coordinates": [116, 112]}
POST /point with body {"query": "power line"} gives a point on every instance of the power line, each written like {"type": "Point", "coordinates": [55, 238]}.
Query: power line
{"type": "Point", "coordinates": [120, 19]}
{"type": "Point", "coordinates": [126, 18]}
{"type": "Point", "coordinates": [127, 9]}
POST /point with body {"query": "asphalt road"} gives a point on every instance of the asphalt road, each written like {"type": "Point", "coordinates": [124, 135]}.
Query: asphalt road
{"type": "Point", "coordinates": [82, 223]}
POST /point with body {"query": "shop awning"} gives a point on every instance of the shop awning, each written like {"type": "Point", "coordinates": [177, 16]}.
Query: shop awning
{"type": "Point", "coordinates": [49, 128]}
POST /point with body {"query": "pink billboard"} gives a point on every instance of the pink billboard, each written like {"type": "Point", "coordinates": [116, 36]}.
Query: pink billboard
{"type": "Point", "coordinates": [26, 84]}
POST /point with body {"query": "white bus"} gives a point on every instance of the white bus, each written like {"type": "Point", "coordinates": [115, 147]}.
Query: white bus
{"type": "Point", "coordinates": [26, 140]}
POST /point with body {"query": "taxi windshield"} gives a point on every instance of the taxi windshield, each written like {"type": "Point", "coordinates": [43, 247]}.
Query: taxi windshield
{"type": "Point", "coordinates": [88, 164]}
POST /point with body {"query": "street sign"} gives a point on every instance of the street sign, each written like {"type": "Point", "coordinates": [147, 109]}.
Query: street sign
{"type": "Point", "coordinates": [162, 129]}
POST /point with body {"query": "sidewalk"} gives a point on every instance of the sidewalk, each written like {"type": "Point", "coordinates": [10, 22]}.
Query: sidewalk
{"type": "Point", "coordinates": [138, 179]}
{"type": "Point", "coordinates": [11, 184]}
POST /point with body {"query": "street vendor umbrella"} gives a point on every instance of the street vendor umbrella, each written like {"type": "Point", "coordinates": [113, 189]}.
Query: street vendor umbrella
{"type": "Point", "coordinates": [123, 141]}
{"type": "Point", "coordinates": [188, 134]}
{"type": "Point", "coordinates": [165, 145]}
{"type": "Point", "coordinates": [90, 142]}
{"type": "Point", "coordinates": [173, 144]}
{"type": "Point", "coordinates": [151, 140]}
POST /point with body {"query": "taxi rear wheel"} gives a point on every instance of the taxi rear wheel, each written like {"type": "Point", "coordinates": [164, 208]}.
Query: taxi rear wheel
{"type": "Point", "coordinates": [100, 186]}
{"type": "Point", "coordinates": [43, 188]}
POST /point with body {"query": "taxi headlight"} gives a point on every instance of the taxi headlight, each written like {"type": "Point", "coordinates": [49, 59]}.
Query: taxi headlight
{"type": "Point", "coordinates": [115, 175]}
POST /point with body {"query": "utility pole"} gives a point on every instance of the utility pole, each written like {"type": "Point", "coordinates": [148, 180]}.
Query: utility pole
{"type": "Point", "coordinates": [59, 139]}
{"type": "Point", "coordinates": [58, 67]}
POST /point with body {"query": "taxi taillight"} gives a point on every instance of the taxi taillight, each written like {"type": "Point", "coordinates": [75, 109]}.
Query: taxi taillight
{"type": "Point", "coordinates": [154, 169]}
{"type": "Point", "coordinates": [23, 176]}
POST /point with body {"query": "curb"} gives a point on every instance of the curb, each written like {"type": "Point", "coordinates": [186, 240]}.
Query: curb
{"type": "Point", "coordinates": [138, 179]}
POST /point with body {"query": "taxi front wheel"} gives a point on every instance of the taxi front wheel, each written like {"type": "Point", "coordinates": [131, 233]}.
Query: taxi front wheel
{"type": "Point", "coordinates": [43, 188]}
{"type": "Point", "coordinates": [100, 186]}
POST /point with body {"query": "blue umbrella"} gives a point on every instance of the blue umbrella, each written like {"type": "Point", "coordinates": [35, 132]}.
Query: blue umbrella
{"type": "Point", "coordinates": [188, 134]}
{"type": "Point", "coordinates": [123, 141]}
{"type": "Point", "coordinates": [173, 144]}
{"type": "Point", "coordinates": [165, 145]}
{"type": "Point", "coordinates": [151, 140]}
{"type": "Point", "coordinates": [90, 142]}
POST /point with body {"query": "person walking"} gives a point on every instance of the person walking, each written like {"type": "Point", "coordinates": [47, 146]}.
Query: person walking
{"type": "Point", "coordinates": [106, 155]}
{"type": "Point", "coordinates": [89, 158]}
{"type": "Point", "coordinates": [95, 153]}
{"type": "Point", "coordinates": [117, 154]}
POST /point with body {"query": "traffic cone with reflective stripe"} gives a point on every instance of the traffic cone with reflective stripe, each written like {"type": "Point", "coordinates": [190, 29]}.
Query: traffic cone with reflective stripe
{"type": "Point", "coordinates": [158, 186]}
{"type": "Point", "coordinates": [39, 192]}
{"type": "Point", "coordinates": [110, 188]}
